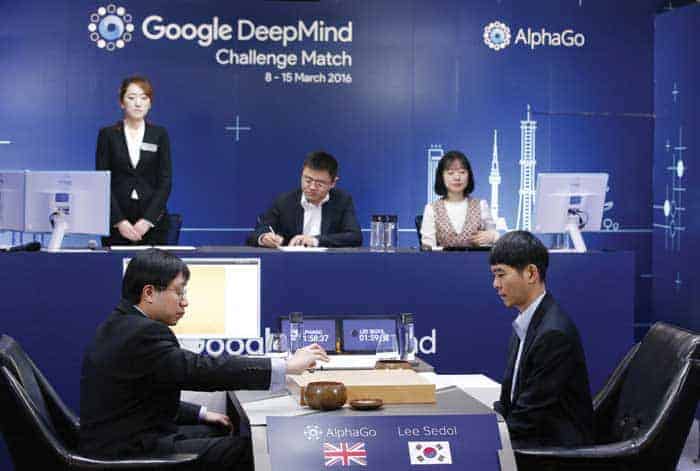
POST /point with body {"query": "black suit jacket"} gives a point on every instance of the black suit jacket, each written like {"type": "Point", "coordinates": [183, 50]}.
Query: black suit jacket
{"type": "Point", "coordinates": [152, 177]}
{"type": "Point", "coordinates": [132, 375]}
{"type": "Point", "coordinates": [339, 227]}
{"type": "Point", "coordinates": [552, 401]}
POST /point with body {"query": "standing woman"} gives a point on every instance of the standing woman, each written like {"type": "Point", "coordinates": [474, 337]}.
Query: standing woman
{"type": "Point", "coordinates": [138, 155]}
{"type": "Point", "coordinates": [456, 219]}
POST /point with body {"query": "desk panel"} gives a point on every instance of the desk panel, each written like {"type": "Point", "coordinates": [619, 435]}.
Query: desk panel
{"type": "Point", "coordinates": [457, 399]}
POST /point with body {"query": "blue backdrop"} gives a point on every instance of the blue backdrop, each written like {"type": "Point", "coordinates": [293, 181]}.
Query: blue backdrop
{"type": "Point", "coordinates": [420, 76]}
{"type": "Point", "coordinates": [676, 198]}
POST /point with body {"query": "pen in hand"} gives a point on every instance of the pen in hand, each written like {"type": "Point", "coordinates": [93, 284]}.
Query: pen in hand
{"type": "Point", "coordinates": [277, 242]}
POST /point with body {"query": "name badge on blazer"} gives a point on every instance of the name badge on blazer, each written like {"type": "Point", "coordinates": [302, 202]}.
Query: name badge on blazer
{"type": "Point", "coordinates": [148, 147]}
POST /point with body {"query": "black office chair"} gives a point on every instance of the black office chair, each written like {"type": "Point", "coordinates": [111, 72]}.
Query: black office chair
{"type": "Point", "coordinates": [174, 226]}
{"type": "Point", "coordinates": [42, 433]}
{"type": "Point", "coordinates": [419, 224]}
{"type": "Point", "coordinates": [643, 415]}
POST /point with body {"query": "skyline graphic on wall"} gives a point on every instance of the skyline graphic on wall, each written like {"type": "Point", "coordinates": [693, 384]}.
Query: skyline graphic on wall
{"type": "Point", "coordinates": [527, 189]}
{"type": "Point", "coordinates": [495, 182]}
{"type": "Point", "coordinates": [528, 161]}
{"type": "Point", "coordinates": [672, 208]}
{"type": "Point", "coordinates": [435, 153]}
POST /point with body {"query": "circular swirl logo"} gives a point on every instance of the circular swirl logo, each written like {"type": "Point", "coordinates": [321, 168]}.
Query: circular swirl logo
{"type": "Point", "coordinates": [313, 432]}
{"type": "Point", "coordinates": [497, 35]}
{"type": "Point", "coordinates": [110, 27]}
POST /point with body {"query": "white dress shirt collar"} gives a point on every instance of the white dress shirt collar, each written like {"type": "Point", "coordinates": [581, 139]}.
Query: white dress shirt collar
{"type": "Point", "coordinates": [312, 215]}
{"type": "Point", "coordinates": [522, 322]}
{"type": "Point", "coordinates": [520, 326]}
{"type": "Point", "coordinates": [139, 309]}
{"type": "Point", "coordinates": [306, 204]}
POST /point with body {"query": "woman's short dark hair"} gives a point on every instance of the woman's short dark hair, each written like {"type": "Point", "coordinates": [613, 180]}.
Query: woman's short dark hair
{"type": "Point", "coordinates": [152, 267]}
{"type": "Point", "coordinates": [518, 249]}
{"type": "Point", "coordinates": [320, 161]}
{"type": "Point", "coordinates": [139, 80]}
{"type": "Point", "coordinates": [444, 163]}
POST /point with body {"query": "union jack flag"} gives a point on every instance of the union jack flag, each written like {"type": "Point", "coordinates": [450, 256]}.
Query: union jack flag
{"type": "Point", "coordinates": [345, 454]}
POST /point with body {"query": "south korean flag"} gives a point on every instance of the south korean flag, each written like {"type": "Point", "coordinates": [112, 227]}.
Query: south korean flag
{"type": "Point", "coordinates": [430, 452]}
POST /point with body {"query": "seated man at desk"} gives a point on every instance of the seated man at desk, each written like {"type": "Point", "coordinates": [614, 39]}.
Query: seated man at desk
{"type": "Point", "coordinates": [316, 215]}
{"type": "Point", "coordinates": [545, 395]}
{"type": "Point", "coordinates": [134, 370]}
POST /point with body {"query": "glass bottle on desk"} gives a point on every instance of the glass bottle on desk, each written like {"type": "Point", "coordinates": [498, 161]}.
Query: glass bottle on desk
{"type": "Point", "coordinates": [376, 239]}
{"type": "Point", "coordinates": [391, 227]}
{"type": "Point", "coordinates": [408, 338]}
{"type": "Point", "coordinates": [296, 328]}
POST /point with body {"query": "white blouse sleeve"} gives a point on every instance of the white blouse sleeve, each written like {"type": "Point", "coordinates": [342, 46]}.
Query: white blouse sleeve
{"type": "Point", "coordinates": [427, 228]}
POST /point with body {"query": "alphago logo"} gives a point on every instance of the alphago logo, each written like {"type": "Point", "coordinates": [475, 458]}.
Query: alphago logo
{"type": "Point", "coordinates": [498, 36]}
{"type": "Point", "coordinates": [110, 27]}
{"type": "Point", "coordinates": [313, 432]}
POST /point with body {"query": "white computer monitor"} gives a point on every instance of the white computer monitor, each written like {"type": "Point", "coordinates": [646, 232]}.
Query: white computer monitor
{"type": "Point", "coordinates": [12, 200]}
{"type": "Point", "coordinates": [67, 202]}
{"type": "Point", "coordinates": [570, 203]}
{"type": "Point", "coordinates": [223, 296]}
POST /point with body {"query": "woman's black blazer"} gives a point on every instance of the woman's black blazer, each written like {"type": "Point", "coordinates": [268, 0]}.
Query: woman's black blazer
{"type": "Point", "coordinates": [152, 177]}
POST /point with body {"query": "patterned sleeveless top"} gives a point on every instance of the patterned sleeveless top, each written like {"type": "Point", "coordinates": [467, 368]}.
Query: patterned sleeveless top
{"type": "Point", "coordinates": [446, 235]}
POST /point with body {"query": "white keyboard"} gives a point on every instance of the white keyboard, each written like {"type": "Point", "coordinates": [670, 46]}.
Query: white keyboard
{"type": "Point", "coordinates": [348, 362]}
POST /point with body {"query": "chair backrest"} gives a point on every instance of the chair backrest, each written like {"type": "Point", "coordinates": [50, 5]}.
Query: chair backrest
{"type": "Point", "coordinates": [23, 369]}
{"type": "Point", "coordinates": [174, 225]}
{"type": "Point", "coordinates": [34, 421]}
{"type": "Point", "coordinates": [419, 224]}
{"type": "Point", "coordinates": [659, 394]}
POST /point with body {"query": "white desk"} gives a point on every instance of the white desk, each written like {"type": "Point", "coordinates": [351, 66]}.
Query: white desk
{"type": "Point", "coordinates": [257, 407]}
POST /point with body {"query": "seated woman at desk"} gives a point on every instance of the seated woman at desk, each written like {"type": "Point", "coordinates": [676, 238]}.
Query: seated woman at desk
{"type": "Point", "coordinates": [456, 219]}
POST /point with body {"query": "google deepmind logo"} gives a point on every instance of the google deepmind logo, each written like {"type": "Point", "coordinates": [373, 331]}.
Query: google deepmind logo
{"type": "Point", "coordinates": [110, 27]}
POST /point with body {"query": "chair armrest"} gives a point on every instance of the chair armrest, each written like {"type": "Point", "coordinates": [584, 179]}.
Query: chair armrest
{"type": "Point", "coordinates": [602, 452]}
{"type": "Point", "coordinates": [174, 461]}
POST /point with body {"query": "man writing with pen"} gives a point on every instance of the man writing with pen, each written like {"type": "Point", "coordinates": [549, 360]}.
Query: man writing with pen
{"type": "Point", "coordinates": [316, 215]}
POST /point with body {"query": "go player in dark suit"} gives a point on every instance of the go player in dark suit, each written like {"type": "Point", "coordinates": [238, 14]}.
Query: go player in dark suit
{"type": "Point", "coordinates": [545, 394]}
{"type": "Point", "coordinates": [138, 155]}
{"type": "Point", "coordinates": [134, 370]}
{"type": "Point", "coordinates": [317, 214]}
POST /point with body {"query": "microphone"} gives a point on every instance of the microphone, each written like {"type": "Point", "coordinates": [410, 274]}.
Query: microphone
{"type": "Point", "coordinates": [30, 247]}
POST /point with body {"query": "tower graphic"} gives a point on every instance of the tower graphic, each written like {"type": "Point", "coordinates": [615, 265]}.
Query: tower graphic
{"type": "Point", "coordinates": [527, 172]}
{"type": "Point", "coordinates": [494, 177]}
{"type": "Point", "coordinates": [435, 153]}
{"type": "Point", "coordinates": [495, 181]}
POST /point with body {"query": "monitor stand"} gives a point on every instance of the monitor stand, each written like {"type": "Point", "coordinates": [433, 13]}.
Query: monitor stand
{"type": "Point", "coordinates": [60, 225]}
{"type": "Point", "coordinates": [563, 241]}
{"type": "Point", "coordinates": [575, 234]}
